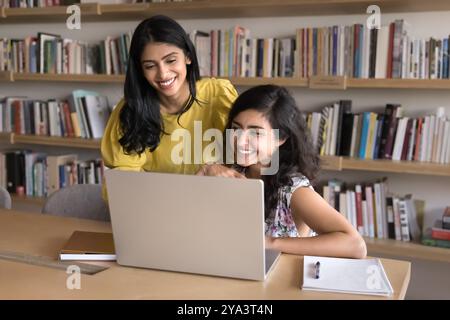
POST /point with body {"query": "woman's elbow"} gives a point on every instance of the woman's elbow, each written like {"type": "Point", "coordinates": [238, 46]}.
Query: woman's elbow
{"type": "Point", "coordinates": [359, 248]}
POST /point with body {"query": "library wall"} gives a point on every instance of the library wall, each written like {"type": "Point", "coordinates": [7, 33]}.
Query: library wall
{"type": "Point", "coordinates": [433, 189]}
{"type": "Point", "coordinates": [416, 102]}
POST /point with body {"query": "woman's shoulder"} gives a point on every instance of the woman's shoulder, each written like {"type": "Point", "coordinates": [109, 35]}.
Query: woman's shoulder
{"type": "Point", "coordinates": [212, 87]}
{"type": "Point", "coordinates": [299, 180]}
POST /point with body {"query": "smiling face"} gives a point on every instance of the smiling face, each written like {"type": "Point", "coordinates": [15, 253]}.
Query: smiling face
{"type": "Point", "coordinates": [164, 67]}
{"type": "Point", "coordinates": [254, 140]}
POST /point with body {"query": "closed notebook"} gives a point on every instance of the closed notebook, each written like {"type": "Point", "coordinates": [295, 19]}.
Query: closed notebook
{"type": "Point", "coordinates": [356, 276]}
{"type": "Point", "coordinates": [84, 245]}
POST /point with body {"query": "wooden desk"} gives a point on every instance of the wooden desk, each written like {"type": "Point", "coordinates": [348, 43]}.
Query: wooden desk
{"type": "Point", "coordinates": [44, 235]}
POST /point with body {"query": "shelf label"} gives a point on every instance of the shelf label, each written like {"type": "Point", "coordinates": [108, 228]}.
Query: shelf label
{"type": "Point", "coordinates": [328, 82]}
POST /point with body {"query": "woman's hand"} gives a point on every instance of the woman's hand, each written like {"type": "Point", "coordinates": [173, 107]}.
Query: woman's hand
{"type": "Point", "coordinates": [219, 170]}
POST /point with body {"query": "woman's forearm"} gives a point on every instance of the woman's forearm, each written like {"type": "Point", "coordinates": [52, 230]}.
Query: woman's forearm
{"type": "Point", "coordinates": [334, 244]}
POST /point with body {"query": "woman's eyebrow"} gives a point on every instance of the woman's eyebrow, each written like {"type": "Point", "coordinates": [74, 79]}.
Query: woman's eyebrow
{"type": "Point", "coordinates": [250, 126]}
{"type": "Point", "coordinates": [167, 55]}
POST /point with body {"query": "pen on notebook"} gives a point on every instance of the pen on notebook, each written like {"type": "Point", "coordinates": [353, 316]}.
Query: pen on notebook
{"type": "Point", "coordinates": [317, 269]}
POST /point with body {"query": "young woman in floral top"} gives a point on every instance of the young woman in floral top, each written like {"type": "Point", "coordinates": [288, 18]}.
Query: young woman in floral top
{"type": "Point", "coordinates": [292, 208]}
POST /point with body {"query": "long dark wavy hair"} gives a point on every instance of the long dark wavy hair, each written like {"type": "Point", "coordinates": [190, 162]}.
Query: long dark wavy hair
{"type": "Point", "coordinates": [297, 154]}
{"type": "Point", "coordinates": [140, 118]}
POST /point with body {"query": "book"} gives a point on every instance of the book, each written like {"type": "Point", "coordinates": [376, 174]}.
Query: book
{"type": "Point", "coordinates": [83, 245]}
{"type": "Point", "coordinates": [355, 276]}
{"type": "Point", "coordinates": [439, 233]}
{"type": "Point", "coordinates": [53, 170]}
{"type": "Point", "coordinates": [446, 218]}
{"type": "Point", "coordinates": [97, 111]}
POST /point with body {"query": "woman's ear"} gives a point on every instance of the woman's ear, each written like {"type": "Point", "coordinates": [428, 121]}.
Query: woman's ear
{"type": "Point", "coordinates": [281, 142]}
{"type": "Point", "coordinates": [188, 60]}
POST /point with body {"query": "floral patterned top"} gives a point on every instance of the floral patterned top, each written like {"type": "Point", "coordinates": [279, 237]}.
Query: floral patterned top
{"type": "Point", "coordinates": [280, 222]}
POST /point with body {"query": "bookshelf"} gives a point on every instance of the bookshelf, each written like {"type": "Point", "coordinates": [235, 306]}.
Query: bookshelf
{"type": "Point", "coordinates": [208, 9]}
{"type": "Point", "coordinates": [407, 250]}
{"type": "Point", "coordinates": [351, 83]}
{"type": "Point", "coordinates": [39, 201]}
{"type": "Point", "coordinates": [330, 163]}
{"type": "Point", "coordinates": [55, 141]}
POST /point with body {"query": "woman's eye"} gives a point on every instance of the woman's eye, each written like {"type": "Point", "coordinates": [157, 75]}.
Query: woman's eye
{"type": "Point", "coordinates": [171, 61]}
{"type": "Point", "coordinates": [149, 67]}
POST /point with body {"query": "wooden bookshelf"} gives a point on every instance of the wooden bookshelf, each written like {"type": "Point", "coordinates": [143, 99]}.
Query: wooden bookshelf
{"type": "Point", "coordinates": [5, 137]}
{"type": "Point", "coordinates": [413, 84]}
{"type": "Point", "coordinates": [47, 14]}
{"type": "Point", "coordinates": [331, 163]}
{"type": "Point", "coordinates": [207, 9]}
{"type": "Point", "coordinates": [443, 84]}
{"type": "Point", "coordinates": [88, 78]}
{"type": "Point", "coordinates": [383, 165]}
{"type": "Point", "coordinates": [28, 199]}
{"type": "Point", "coordinates": [406, 250]}
{"type": "Point", "coordinates": [255, 81]}
{"type": "Point", "coordinates": [56, 141]}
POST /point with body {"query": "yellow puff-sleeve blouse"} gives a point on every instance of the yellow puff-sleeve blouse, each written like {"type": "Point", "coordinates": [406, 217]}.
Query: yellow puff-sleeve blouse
{"type": "Point", "coordinates": [215, 97]}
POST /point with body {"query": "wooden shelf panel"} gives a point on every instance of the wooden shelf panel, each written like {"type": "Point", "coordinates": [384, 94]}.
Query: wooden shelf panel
{"type": "Point", "coordinates": [255, 81]}
{"type": "Point", "coordinates": [442, 84]}
{"type": "Point", "coordinates": [27, 199]}
{"type": "Point", "coordinates": [331, 163]}
{"type": "Point", "coordinates": [47, 14]}
{"type": "Point", "coordinates": [57, 141]}
{"type": "Point", "coordinates": [382, 165]}
{"type": "Point", "coordinates": [207, 9]}
{"type": "Point", "coordinates": [406, 250]}
{"type": "Point", "coordinates": [5, 137]}
{"type": "Point", "coordinates": [96, 78]}
{"type": "Point", "coordinates": [438, 84]}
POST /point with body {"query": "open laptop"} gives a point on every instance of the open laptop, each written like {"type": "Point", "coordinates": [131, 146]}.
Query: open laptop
{"type": "Point", "coordinates": [194, 224]}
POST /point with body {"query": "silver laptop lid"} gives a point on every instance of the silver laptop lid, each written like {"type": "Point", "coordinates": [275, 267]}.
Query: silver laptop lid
{"type": "Point", "coordinates": [195, 224]}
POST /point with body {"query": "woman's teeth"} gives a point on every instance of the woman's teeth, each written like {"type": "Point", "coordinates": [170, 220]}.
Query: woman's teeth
{"type": "Point", "coordinates": [166, 83]}
{"type": "Point", "coordinates": [243, 151]}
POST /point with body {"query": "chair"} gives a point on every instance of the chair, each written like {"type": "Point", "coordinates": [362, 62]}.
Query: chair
{"type": "Point", "coordinates": [82, 201]}
{"type": "Point", "coordinates": [5, 199]}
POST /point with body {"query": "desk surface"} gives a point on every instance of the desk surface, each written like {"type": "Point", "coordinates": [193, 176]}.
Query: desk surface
{"type": "Point", "coordinates": [44, 235]}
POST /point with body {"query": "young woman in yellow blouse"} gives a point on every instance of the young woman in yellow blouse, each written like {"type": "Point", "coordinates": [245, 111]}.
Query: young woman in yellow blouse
{"type": "Point", "coordinates": [163, 92]}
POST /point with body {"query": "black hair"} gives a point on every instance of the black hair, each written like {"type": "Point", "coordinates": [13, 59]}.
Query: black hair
{"type": "Point", "coordinates": [140, 117]}
{"type": "Point", "coordinates": [297, 154]}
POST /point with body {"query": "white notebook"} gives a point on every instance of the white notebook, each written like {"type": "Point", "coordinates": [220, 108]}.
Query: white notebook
{"type": "Point", "coordinates": [357, 276]}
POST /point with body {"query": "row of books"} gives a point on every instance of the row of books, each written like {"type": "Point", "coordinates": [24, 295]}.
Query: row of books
{"type": "Point", "coordinates": [232, 53]}
{"type": "Point", "coordinates": [84, 114]}
{"type": "Point", "coordinates": [336, 130]}
{"type": "Point", "coordinates": [437, 235]}
{"type": "Point", "coordinates": [38, 174]}
{"type": "Point", "coordinates": [50, 53]}
{"type": "Point", "coordinates": [353, 51]}
{"type": "Point", "coordinates": [374, 211]}
{"type": "Point", "coordinates": [358, 52]}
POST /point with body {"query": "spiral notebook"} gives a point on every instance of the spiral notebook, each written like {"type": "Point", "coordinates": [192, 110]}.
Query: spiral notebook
{"type": "Point", "coordinates": [356, 276]}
